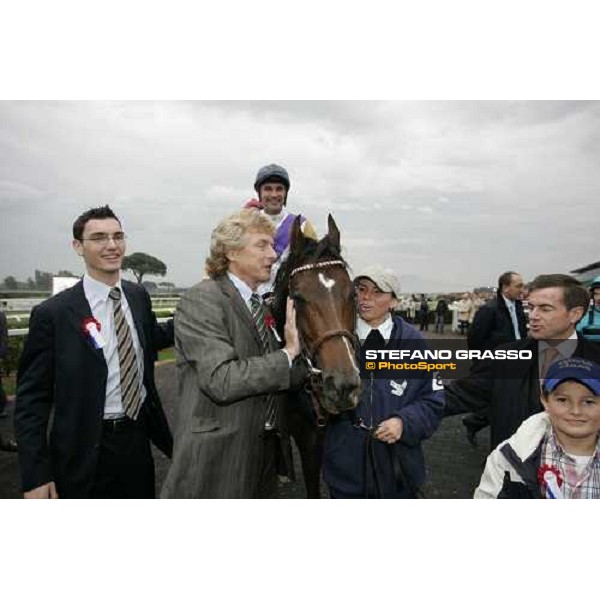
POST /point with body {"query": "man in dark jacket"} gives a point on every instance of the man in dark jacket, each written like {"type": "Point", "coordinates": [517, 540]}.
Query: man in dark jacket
{"type": "Point", "coordinates": [441, 310]}
{"type": "Point", "coordinates": [512, 391]}
{"type": "Point", "coordinates": [87, 405]}
{"type": "Point", "coordinates": [500, 321]}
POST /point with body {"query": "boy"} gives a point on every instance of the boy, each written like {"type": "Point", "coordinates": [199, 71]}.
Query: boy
{"type": "Point", "coordinates": [556, 453]}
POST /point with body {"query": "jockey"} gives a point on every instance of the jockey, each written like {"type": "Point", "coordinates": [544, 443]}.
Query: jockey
{"type": "Point", "coordinates": [272, 185]}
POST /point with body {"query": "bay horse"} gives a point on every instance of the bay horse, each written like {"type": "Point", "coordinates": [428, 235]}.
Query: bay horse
{"type": "Point", "coordinates": [315, 276]}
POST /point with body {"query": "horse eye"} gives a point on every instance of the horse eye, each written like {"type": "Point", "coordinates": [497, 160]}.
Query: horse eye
{"type": "Point", "coordinates": [297, 297]}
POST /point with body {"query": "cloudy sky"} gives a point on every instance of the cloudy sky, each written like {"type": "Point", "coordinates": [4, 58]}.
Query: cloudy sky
{"type": "Point", "coordinates": [449, 194]}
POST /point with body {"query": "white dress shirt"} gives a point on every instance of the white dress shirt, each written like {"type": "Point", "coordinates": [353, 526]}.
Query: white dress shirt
{"type": "Point", "coordinates": [512, 311]}
{"type": "Point", "coordinates": [385, 329]}
{"type": "Point", "coordinates": [96, 294]}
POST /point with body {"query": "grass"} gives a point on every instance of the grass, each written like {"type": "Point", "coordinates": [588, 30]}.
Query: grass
{"type": "Point", "coordinates": [9, 383]}
{"type": "Point", "coordinates": [168, 354]}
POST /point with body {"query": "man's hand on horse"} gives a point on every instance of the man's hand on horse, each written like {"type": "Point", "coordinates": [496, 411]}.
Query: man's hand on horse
{"type": "Point", "coordinates": [389, 431]}
{"type": "Point", "coordinates": [292, 339]}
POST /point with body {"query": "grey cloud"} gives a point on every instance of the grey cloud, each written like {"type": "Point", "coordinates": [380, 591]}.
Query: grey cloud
{"type": "Point", "coordinates": [446, 191]}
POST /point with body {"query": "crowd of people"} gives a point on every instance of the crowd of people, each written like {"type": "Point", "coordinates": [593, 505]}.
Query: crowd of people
{"type": "Point", "coordinates": [87, 407]}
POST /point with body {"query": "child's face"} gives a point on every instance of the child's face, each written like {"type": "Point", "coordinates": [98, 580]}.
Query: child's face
{"type": "Point", "coordinates": [574, 411]}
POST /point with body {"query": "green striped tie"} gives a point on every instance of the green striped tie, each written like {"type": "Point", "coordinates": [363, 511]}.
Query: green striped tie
{"type": "Point", "coordinates": [130, 380]}
{"type": "Point", "coordinates": [258, 316]}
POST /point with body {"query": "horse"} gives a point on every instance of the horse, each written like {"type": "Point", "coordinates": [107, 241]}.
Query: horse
{"type": "Point", "coordinates": [315, 276]}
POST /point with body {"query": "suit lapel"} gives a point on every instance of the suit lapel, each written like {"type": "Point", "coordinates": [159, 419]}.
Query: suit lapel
{"type": "Point", "coordinates": [239, 306]}
{"type": "Point", "coordinates": [80, 311]}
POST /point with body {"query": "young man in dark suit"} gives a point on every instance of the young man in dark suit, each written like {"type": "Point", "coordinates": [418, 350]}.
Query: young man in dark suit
{"type": "Point", "coordinates": [87, 404]}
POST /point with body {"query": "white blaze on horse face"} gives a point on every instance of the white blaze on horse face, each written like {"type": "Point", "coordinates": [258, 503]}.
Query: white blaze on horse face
{"type": "Point", "coordinates": [326, 282]}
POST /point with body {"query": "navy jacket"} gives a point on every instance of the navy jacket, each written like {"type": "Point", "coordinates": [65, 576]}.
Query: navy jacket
{"type": "Point", "coordinates": [419, 402]}
{"type": "Point", "coordinates": [61, 391]}
{"type": "Point", "coordinates": [492, 325]}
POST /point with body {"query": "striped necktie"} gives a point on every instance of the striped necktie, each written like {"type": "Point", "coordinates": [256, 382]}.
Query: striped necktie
{"type": "Point", "coordinates": [550, 355]}
{"type": "Point", "coordinates": [258, 316]}
{"type": "Point", "coordinates": [130, 380]}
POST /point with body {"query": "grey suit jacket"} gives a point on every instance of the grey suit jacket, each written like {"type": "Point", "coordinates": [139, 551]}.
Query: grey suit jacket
{"type": "Point", "coordinates": [224, 381]}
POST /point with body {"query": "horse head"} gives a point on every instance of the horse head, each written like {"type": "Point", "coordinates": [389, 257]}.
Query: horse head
{"type": "Point", "coordinates": [315, 276]}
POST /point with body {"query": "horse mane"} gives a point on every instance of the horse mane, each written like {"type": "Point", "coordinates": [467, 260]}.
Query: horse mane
{"type": "Point", "coordinates": [312, 251]}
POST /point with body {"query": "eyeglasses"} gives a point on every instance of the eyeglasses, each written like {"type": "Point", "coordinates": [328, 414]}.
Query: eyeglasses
{"type": "Point", "coordinates": [102, 239]}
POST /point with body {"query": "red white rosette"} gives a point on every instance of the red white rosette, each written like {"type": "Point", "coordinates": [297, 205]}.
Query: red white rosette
{"type": "Point", "coordinates": [550, 479]}
{"type": "Point", "coordinates": [270, 323]}
{"type": "Point", "coordinates": [91, 327]}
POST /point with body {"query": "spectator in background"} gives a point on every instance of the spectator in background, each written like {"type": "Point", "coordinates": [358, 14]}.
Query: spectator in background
{"type": "Point", "coordinates": [412, 309]}
{"type": "Point", "coordinates": [499, 321]}
{"type": "Point", "coordinates": [464, 312]}
{"type": "Point", "coordinates": [5, 444]}
{"type": "Point", "coordinates": [502, 319]}
{"type": "Point", "coordinates": [3, 354]}
{"type": "Point", "coordinates": [589, 326]}
{"type": "Point", "coordinates": [424, 313]}
{"type": "Point", "coordinates": [441, 309]}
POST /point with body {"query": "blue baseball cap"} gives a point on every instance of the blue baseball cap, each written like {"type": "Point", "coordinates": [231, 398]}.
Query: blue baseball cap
{"type": "Point", "coordinates": [577, 369]}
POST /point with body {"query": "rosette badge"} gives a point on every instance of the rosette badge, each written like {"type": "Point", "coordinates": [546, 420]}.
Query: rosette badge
{"type": "Point", "coordinates": [91, 328]}
{"type": "Point", "coordinates": [550, 479]}
{"type": "Point", "coordinates": [270, 323]}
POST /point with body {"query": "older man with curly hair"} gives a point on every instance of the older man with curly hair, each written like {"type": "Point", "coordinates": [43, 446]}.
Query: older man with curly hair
{"type": "Point", "coordinates": [231, 371]}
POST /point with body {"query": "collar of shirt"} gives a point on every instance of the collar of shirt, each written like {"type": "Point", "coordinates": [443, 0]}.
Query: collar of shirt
{"type": "Point", "coordinates": [576, 483]}
{"type": "Point", "coordinates": [363, 328]}
{"type": "Point", "coordinates": [509, 303]}
{"type": "Point", "coordinates": [277, 219]}
{"type": "Point", "coordinates": [566, 348]}
{"type": "Point", "coordinates": [242, 287]}
{"type": "Point", "coordinates": [96, 291]}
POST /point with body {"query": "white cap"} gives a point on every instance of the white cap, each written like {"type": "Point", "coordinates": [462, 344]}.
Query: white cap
{"type": "Point", "coordinates": [384, 279]}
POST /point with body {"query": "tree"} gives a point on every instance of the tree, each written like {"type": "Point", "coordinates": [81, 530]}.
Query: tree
{"type": "Point", "coordinates": [43, 280]}
{"type": "Point", "coordinates": [141, 264]}
{"type": "Point", "coordinates": [10, 283]}
{"type": "Point", "coordinates": [64, 273]}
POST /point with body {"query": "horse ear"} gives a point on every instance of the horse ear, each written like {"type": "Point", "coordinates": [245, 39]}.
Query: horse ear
{"type": "Point", "coordinates": [333, 232]}
{"type": "Point", "coordinates": [296, 237]}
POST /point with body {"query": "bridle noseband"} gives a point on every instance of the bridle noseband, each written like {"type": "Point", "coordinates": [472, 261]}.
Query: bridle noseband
{"type": "Point", "coordinates": [311, 352]}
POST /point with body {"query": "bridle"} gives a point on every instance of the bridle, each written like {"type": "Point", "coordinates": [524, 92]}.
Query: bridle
{"type": "Point", "coordinates": [310, 352]}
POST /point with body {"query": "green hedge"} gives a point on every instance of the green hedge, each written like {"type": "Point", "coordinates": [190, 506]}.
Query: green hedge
{"type": "Point", "coordinates": [11, 362]}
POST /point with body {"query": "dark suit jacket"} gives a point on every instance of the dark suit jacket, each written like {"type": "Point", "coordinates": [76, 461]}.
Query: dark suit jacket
{"type": "Point", "coordinates": [511, 395]}
{"type": "Point", "coordinates": [61, 391]}
{"type": "Point", "coordinates": [492, 325]}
